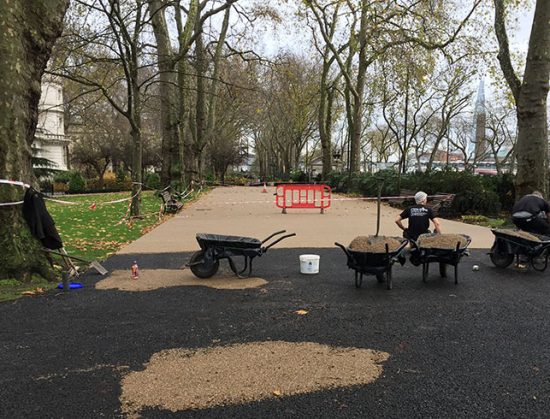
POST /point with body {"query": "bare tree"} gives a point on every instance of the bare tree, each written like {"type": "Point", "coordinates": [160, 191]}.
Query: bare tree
{"type": "Point", "coordinates": [372, 29]}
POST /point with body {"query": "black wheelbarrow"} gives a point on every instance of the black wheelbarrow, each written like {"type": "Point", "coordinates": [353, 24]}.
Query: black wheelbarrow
{"type": "Point", "coordinates": [205, 262]}
{"type": "Point", "coordinates": [378, 264]}
{"type": "Point", "coordinates": [444, 256]}
{"type": "Point", "coordinates": [509, 245]}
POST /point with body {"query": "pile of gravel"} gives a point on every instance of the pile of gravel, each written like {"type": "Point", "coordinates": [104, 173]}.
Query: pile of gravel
{"type": "Point", "coordinates": [374, 244]}
{"type": "Point", "coordinates": [152, 279]}
{"type": "Point", "coordinates": [441, 241]}
{"type": "Point", "coordinates": [182, 379]}
{"type": "Point", "coordinates": [518, 233]}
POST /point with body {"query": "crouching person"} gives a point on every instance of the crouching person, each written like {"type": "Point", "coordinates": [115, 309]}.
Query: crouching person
{"type": "Point", "coordinates": [531, 213]}
{"type": "Point", "coordinates": [419, 217]}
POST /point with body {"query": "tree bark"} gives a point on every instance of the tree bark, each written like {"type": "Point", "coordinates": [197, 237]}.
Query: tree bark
{"type": "Point", "coordinates": [531, 98]}
{"type": "Point", "coordinates": [29, 29]}
{"type": "Point", "coordinates": [172, 165]}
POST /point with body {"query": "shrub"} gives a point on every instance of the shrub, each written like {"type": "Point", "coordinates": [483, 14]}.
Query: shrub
{"type": "Point", "coordinates": [46, 185]}
{"type": "Point", "coordinates": [474, 194]}
{"type": "Point", "coordinates": [152, 181]}
{"type": "Point", "coordinates": [120, 175]}
{"type": "Point", "coordinates": [236, 180]}
{"type": "Point", "coordinates": [77, 184]}
{"type": "Point", "coordinates": [298, 176]}
{"type": "Point", "coordinates": [62, 177]}
{"type": "Point", "coordinates": [59, 187]}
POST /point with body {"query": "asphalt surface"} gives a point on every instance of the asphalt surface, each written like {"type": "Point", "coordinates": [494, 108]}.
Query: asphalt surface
{"type": "Point", "coordinates": [476, 349]}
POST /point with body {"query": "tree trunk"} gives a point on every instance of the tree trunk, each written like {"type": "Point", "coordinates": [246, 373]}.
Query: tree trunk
{"type": "Point", "coordinates": [532, 143]}
{"type": "Point", "coordinates": [137, 146]}
{"type": "Point", "coordinates": [29, 30]}
{"type": "Point", "coordinates": [200, 104]}
{"type": "Point", "coordinates": [355, 148]}
{"type": "Point", "coordinates": [531, 98]}
{"type": "Point", "coordinates": [172, 165]}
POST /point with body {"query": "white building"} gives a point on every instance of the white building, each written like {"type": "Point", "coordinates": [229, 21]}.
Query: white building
{"type": "Point", "coordinates": [50, 141]}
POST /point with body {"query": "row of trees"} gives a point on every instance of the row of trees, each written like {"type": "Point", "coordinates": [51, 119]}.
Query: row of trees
{"type": "Point", "coordinates": [181, 82]}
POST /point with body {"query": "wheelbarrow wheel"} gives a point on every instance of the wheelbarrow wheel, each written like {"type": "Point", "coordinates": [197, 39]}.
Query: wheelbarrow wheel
{"type": "Point", "coordinates": [205, 269]}
{"type": "Point", "coordinates": [501, 260]}
{"type": "Point", "coordinates": [540, 262]}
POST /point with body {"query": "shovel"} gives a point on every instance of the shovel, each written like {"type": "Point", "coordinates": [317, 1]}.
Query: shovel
{"type": "Point", "coordinates": [67, 258]}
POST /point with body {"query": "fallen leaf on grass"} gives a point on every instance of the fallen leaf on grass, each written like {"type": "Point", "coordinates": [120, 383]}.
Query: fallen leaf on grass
{"type": "Point", "coordinates": [301, 312]}
{"type": "Point", "coordinates": [277, 393]}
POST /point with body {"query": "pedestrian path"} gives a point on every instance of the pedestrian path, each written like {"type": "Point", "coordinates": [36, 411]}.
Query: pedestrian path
{"type": "Point", "coordinates": [246, 211]}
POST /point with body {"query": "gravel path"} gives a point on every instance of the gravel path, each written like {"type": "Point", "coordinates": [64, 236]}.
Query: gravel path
{"type": "Point", "coordinates": [477, 349]}
{"type": "Point", "coordinates": [245, 211]}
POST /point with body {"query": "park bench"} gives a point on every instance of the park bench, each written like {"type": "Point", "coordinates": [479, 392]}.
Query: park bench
{"type": "Point", "coordinates": [442, 204]}
{"type": "Point", "coordinates": [170, 203]}
{"type": "Point", "coordinates": [406, 197]}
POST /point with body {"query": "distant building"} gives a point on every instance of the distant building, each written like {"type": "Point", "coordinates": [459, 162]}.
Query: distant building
{"type": "Point", "coordinates": [50, 141]}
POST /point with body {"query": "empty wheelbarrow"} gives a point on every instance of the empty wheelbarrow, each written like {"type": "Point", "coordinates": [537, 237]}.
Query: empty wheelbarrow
{"type": "Point", "coordinates": [206, 262]}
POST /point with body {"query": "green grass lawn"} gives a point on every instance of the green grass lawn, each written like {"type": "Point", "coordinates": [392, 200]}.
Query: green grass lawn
{"type": "Point", "coordinates": [481, 220]}
{"type": "Point", "coordinates": [93, 234]}
{"type": "Point", "coordinates": [96, 233]}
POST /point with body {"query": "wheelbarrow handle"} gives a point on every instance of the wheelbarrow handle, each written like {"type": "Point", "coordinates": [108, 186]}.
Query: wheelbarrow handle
{"type": "Point", "coordinates": [343, 248]}
{"type": "Point", "coordinates": [277, 241]}
{"type": "Point", "coordinates": [274, 234]}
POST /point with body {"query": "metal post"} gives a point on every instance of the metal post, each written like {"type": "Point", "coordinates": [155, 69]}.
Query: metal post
{"type": "Point", "coordinates": [380, 186]}
{"type": "Point", "coordinates": [65, 281]}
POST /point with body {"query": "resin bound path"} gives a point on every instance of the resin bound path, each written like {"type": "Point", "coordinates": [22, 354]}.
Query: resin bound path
{"type": "Point", "coordinates": [280, 344]}
{"type": "Point", "coordinates": [245, 211]}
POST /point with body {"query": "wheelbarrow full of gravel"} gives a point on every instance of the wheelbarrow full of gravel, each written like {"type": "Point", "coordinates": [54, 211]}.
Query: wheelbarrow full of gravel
{"type": "Point", "coordinates": [374, 256]}
{"type": "Point", "coordinates": [444, 249]}
{"type": "Point", "coordinates": [206, 262]}
{"type": "Point", "coordinates": [531, 248]}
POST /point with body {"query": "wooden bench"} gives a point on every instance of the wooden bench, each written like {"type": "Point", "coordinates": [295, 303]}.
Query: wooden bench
{"type": "Point", "coordinates": [406, 196]}
{"type": "Point", "coordinates": [170, 204]}
{"type": "Point", "coordinates": [442, 204]}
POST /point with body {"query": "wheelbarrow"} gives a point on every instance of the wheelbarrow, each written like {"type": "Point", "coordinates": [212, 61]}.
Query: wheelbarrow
{"type": "Point", "coordinates": [206, 262]}
{"type": "Point", "coordinates": [509, 245]}
{"type": "Point", "coordinates": [426, 255]}
{"type": "Point", "coordinates": [378, 264]}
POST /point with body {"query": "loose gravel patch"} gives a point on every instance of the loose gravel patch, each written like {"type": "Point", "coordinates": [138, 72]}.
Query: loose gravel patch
{"type": "Point", "coordinates": [374, 244]}
{"type": "Point", "coordinates": [152, 279]}
{"type": "Point", "coordinates": [181, 379]}
{"type": "Point", "coordinates": [518, 233]}
{"type": "Point", "coordinates": [441, 241]}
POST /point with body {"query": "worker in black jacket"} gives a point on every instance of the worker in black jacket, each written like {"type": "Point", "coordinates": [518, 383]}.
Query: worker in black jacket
{"type": "Point", "coordinates": [531, 213]}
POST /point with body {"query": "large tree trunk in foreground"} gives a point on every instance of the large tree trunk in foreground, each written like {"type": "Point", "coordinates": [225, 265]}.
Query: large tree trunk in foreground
{"type": "Point", "coordinates": [531, 98]}
{"type": "Point", "coordinates": [29, 29]}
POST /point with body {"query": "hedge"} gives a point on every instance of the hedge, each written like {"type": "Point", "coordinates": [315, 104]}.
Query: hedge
{"type": "Point", "coordinates": [475, 194]}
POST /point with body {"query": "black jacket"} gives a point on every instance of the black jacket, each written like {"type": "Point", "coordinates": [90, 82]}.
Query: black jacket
{"type": "Point", "coordinates": [40, 222]}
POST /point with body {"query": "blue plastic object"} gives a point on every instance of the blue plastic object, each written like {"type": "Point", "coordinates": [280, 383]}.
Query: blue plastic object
{"type": "Point", "coordinates": [72, 285]}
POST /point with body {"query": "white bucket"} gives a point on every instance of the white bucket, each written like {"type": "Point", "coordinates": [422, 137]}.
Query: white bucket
{"type": "Point", "coordinates": [309, 264]}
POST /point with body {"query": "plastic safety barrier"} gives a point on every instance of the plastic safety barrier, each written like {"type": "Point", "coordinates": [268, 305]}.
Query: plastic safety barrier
{"type": "Point", "coordinates": [292, 196]}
